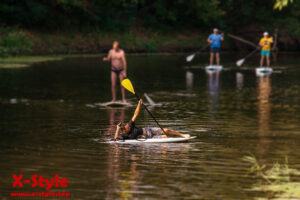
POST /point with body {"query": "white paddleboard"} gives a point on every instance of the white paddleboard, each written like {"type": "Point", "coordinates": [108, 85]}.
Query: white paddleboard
{"type": "Point", "coordinates": [116, 104]}
{"type": "Point", "coordinates": [213, 68]}
{"type": "Point", "coordinates": [152, 140]}
{"type": "Point", "coordinates": [263, 71]}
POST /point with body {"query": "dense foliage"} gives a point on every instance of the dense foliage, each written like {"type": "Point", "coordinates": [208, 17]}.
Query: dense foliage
{"type": "Point", "coordinates": [279, 4]}
{"type": "Point", "coordinates": [162, 15]}
{"type": "Point", "coordinates": [89, 26]}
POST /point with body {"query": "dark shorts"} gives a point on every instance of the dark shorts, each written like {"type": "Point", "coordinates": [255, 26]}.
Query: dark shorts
{"type": "Point", "coordinates": [215, 50]}
{"type": "Point", "coordinates": [118, 72]}
{"type": "Point", "coordinates": [153, 132]}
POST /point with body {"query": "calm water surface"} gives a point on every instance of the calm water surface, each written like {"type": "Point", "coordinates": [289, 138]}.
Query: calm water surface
{"type": "Point", "coordinates": [50, 124]}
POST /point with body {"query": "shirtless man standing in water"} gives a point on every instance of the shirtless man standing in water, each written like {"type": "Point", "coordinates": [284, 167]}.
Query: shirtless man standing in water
{"type": "Point", "coordinates": [118, 68]}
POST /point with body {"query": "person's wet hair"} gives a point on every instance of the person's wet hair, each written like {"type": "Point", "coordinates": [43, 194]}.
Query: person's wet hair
{"type": "Point", "coordinates": [122, 126]}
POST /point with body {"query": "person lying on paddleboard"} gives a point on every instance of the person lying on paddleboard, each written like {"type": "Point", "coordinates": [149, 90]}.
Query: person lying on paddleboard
{"type": "Point", "coordinates": [130, 131]}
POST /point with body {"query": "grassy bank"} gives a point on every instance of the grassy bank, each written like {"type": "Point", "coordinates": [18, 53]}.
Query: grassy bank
{"type": "Point", "coordinates": [26, 61]}
{"type": "Point", "coordinates": [15, 41]}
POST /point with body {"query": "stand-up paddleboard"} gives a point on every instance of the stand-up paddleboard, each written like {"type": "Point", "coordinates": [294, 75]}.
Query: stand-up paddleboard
{"type": "Point", "coordinates": [116, 104]}
{"type": "Point", "coordinates": [213, 68]}
{"type": "Point", "coordinates": [152, 140]}
{"type": "Point", "coordinates": [263, 71]}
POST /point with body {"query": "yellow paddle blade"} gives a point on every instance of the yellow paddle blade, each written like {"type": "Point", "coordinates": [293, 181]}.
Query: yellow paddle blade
{"type": "Point", "coordinates": [127, 85]}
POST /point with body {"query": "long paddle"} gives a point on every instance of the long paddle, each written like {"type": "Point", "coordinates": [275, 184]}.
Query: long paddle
{"type": "Point", "coordinates": [241, 61]}
{"type": "Point", "coordinates": [241, 40]}
{"type": "Point", "coordinates": [191, 57]}
{"type": "Point", "coordinates": [126, 83]}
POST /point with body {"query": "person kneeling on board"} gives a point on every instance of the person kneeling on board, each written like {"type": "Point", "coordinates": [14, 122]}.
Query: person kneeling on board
{"type": "Point", "coordinates": [130, 131]}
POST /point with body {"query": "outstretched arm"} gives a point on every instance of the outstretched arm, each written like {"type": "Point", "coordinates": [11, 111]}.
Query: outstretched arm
{"type": "Point", "coordinates": [137, 110]}
{"type": "Point", "coordinates": [108, 57]}
{"type": "Point", "coordinates": [117, 131]}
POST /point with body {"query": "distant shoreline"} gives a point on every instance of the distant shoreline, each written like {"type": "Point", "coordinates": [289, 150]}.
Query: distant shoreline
{"type": "Point", "coordinates": [26, 42]}
{"type": "Point", "coordinates": [19, 42]}
{"type": "Point", "coordinates": [22, 61]}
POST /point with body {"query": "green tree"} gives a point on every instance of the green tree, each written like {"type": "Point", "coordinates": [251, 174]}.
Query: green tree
{"type": "Point", "coordinates": [279, 4]}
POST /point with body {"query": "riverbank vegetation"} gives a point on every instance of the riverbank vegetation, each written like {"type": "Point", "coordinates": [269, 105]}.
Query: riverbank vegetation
{"type": "Point", "coordinates": [16, 41]}
{"type": "Point", "coordinates": [276, 181]}
{"type": "Point", "coordinates": [89, 26]}
{"type": "Point", "coordinates": [26, 61]}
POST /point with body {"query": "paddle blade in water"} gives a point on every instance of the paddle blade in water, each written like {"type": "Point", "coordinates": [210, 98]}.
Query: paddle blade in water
{"type": "Point", "coordinates": [126, 83]}
{"type": "Point", "coordinates": [190, 58]}
{"type": "Point", "coordinates": [151, 102]}
{"type": "Point", "coordinates": [240, 62]}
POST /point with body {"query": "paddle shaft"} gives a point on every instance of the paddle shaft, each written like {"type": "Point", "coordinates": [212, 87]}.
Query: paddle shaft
{"type": "Point", "coordinates": [241, 40]}
{"type": "Point", "coordinates": [250, 54]}
{"type": "Point", "coordinates": [243, 59]}
{"type": "Point", "coordinates": [202, 48]}
{"type": "Point", "coordinates": [193, 55]}
{"type": "Point", "coordinates": [138, 98]}
{"type": "Point", "coordinates": [220, 32]}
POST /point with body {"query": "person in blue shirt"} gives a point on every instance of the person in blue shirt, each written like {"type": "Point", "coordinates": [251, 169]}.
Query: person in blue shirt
{"type": "Point", "coordinates": [215, 43]}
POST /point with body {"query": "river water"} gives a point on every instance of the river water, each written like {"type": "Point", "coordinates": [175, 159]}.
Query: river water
{"type": "Point", "coordinates": [51, 123]}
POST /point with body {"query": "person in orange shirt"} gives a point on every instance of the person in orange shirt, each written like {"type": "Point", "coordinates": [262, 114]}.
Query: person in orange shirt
{"type": "Point", "coordinates": [265, 44]}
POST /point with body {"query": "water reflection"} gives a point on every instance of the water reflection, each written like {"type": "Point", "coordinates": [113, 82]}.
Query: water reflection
{"type": "Point", "coordinates": [213, 91]}
{"type": "Point", "coordinates": [239, 80]}
{"type": "Point", "coordinates": [116, 115]}
{"type": "Point", "coordinates": [189, 78]}
{"type": "Point", "coordinates": [264, 109]}
{"type": "Point", "coordinates": [122, 174]}
{"type": "Point", "coordinates": [47, 137]}
{"type": "Point", "coordinates": [129, 164]}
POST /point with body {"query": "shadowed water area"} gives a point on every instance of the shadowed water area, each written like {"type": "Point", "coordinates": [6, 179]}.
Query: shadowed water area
{"type": "Point", "coordinates": [51, 123]}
